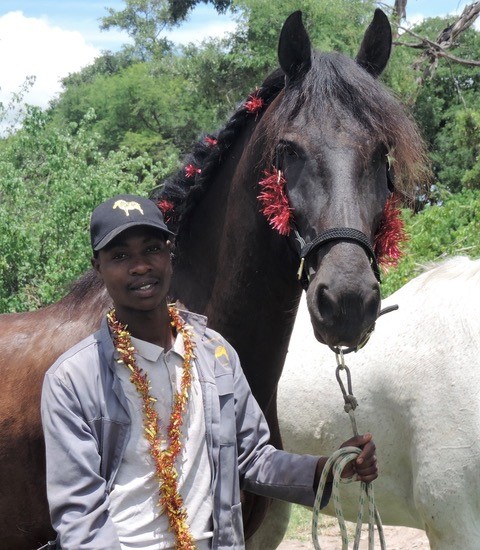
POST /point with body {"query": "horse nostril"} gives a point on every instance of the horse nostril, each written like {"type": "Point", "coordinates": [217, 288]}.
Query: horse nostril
{"type": "Point", "coordinates": [326, 303]}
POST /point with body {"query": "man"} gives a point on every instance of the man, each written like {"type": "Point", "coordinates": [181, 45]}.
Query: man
{"type": "Point", "coordinates": [150, 426]}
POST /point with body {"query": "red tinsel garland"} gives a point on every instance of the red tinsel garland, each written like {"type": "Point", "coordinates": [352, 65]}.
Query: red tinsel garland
{"type": "Point", "coordinates": [166, 473]}
{"type": "Point", "coordinates": [211, 141]}
{"type": "Point", "coordinates": [167, 207]}
{"type": "Point", "coordinates": [390, 234]}
{"type": "Point", "coordinates": [274, 201]}
{"type": "Point", "coordinates": [191, 170]}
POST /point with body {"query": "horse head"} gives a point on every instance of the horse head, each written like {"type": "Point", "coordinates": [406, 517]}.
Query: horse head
{"type": "Point", "coordinates": [332, 132]}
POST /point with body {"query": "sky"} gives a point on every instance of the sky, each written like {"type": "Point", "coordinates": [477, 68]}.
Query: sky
{"type": "Point", "coordinates": [49, 39]}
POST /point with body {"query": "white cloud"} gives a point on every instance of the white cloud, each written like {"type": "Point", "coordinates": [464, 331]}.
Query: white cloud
{"type": "Point", "coordinates": [34, 47]}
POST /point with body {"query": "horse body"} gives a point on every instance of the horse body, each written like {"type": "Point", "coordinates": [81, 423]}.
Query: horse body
{"type": "Point", "coordinates": [417, 383]}
{"type": "Point", "coordinates": [29, 343]}
{"type": "Point", "coordinates": [326, 124]}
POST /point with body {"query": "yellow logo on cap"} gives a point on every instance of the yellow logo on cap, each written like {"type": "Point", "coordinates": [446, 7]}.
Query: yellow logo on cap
{"type": "Point", "coordinates": [127, 206]}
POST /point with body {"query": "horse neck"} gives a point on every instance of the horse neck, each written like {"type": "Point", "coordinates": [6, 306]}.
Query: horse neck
{"type": "Point", "coordinates": [241, 274]}
{"type": "Point", "coordinates": [197, 253]}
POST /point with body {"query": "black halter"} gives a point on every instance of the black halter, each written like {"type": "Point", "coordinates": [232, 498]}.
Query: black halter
{"type": "Point", "coordinates": [335, 234]}
{"type": "Point", "coordinates": [305, 249]}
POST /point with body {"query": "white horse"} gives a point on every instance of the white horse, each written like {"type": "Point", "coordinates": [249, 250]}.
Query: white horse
{"type": "Point", "coordinates": [417, 382]}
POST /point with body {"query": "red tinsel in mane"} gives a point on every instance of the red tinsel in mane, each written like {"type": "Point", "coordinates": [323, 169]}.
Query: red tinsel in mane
{"type": "Point", "coordinates": [254, 103]}
{"type": "Point", "coordinates": [191, 170]}
{"type": "Point", "coordinates": [167, 208]}
{"type": "Point", "coordinates": [274, 201]}
{"type": "Point", "coordinates": [210, 141]}
{"type": "Point", "coordinates": [390, 235]}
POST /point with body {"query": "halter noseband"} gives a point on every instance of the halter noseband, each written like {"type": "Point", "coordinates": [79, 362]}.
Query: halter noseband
{"type": "Point", "coordinates": [335, 234]}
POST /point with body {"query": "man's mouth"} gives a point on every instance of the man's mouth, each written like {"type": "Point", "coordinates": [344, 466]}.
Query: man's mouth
{"type": "Point", "coordinates": [143, 287]}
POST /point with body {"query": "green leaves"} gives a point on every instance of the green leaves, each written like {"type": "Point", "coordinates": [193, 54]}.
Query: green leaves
{"type": "Point", "coordinates": [50, 181]}
{"type": "Point", "coordinates": [449, 228]}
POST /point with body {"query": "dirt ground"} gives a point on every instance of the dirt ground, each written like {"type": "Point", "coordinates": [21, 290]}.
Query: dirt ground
{"type": "Point", "coordinates": [396, 538]}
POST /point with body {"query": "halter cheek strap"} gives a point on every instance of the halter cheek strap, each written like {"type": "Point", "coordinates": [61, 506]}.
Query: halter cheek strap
{"type": "Point", "coordinates": [335, 234]}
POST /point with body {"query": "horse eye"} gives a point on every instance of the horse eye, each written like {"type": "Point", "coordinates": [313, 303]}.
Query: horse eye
{"type": "Point", "coordinates": [286, 148]}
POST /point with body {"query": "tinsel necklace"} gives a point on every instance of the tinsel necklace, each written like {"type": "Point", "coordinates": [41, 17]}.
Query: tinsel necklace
{"type": "Point", "coordinates": [164, 460]}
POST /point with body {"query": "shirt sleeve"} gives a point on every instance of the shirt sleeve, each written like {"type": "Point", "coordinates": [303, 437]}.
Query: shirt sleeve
{"type": "Point", "coordinates": [76, 491]}
{"type": "Point", "coordinates": [265, 470]}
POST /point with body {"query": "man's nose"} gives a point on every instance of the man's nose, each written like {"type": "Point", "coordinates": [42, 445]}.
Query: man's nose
{"type": "Point", "coordinates": [139, 266]}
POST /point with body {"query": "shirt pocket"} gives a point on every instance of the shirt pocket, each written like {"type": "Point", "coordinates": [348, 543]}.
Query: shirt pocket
{"type": "Point", "coordinates": [227, 409]}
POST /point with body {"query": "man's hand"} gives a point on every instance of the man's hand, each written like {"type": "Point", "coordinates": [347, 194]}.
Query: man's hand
{"type": "Point", "coordinates": [364, 467]}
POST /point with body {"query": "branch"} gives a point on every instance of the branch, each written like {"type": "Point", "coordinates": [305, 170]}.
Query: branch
{"type": "Point", "coordinates": [436, 49]}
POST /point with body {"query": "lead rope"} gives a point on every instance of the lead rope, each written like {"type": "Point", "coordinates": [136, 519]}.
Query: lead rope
{"type": "Point", "coordinates": [337, 461]}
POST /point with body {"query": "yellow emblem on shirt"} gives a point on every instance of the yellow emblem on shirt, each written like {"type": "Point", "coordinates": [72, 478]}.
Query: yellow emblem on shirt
{"type": "Point", "coordinates": [220, 351]}
{"type": "Point", "coordinates": [127, 206]}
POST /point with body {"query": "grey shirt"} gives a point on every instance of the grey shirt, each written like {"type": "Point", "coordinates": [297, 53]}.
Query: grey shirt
{"type": "Point", "coordinates": [86, 425]}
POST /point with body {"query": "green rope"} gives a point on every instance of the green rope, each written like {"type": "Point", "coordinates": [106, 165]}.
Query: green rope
{"type": "Point", "coordinates": [338, 460]}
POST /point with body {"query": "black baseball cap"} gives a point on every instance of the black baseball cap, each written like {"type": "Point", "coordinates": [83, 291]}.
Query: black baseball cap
{"type": "Point", "coordinates": [121, 212]}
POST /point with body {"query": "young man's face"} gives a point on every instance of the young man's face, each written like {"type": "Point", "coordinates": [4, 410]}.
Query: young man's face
{"type": "Point", "coordinates": [136, 269]}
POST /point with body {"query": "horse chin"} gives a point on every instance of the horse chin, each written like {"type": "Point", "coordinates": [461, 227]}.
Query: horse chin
{"type": "Point", "coordinates": [332, 339]}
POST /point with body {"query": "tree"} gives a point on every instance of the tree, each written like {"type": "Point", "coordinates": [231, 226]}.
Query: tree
{"type": "Point", "coordinates": [50, 180]}
{"type": "Point", "coordinates": [441, 230]}
{"type": "Point", "coordinates": [146, 20]}
{"type": "Point", "coordinates": [179, 8]}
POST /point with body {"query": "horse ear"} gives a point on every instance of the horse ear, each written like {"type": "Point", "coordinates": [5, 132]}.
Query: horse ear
{"type": "Point", "coordinates": [294, 48]}
{"type": "Point", "coordinates": [376, 45]}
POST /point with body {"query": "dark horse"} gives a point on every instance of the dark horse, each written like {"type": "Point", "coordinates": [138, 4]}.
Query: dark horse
{"type": "Point", "coordinates": [322, 125]}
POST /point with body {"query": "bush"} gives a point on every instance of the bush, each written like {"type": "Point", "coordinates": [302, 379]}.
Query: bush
{"type": "Point", "coordinates": [50, 181]}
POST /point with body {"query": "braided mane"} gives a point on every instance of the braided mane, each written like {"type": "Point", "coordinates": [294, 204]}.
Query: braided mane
{"type": "Point", "coordinates": [178, 194]}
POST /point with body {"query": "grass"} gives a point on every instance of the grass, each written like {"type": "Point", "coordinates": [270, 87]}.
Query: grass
{"type": "Point", "coordinates": [300, 525]}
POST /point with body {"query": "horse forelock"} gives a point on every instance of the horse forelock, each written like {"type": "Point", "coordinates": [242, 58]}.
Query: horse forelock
{"type": "Point", "coordinates": [185, 192]}
{"type": "Point", "coordinates": [338, 88]}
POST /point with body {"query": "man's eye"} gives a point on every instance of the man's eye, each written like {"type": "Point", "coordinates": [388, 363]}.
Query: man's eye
{"type": "Point", "coordinates": [119, 256]}
{"type": "Point", "coordinates": [155, 248]}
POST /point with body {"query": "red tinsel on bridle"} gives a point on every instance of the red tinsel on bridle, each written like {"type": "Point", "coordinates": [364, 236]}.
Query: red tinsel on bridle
{"type": "Point", "coordinates": [274, 201]}
{"type": "Point", "coordinates": [276, 208]}
{"type": "Point", "coordinates": [390, 235]}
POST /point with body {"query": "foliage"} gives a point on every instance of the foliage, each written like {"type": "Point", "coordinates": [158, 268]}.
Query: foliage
{"type": "Point", "coordinates": [144, 21]}
{"type": "Point", "coordinates": [50, 180]}
{"type": "Point", "coordinates": [180, 8]}
{"type": "Point", "coordinates": [146, 105]}
{"type": "Point", "coordinates": [449, 228]}
{"type": "Point", "coordinates": [107, 64]}
{"type": "Point", "coordinates": [447, 107]}
{"type": "Point", "coordinates": [253, 48]}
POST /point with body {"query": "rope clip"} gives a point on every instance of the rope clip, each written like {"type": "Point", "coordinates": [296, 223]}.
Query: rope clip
{"type": "Point", "coordinates": [350, 400]}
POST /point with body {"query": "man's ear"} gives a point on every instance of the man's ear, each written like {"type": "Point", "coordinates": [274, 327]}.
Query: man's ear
{"type": "Point", "coordinates": [96, 266]}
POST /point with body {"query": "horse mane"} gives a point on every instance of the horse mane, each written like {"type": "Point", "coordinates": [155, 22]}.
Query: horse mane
{"type": "Point", "coordinates": [88, 283]}
{"type": "Point", "coordinates": [183, 190]}
{"type": "Point", "coordinates": [336, 84]}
